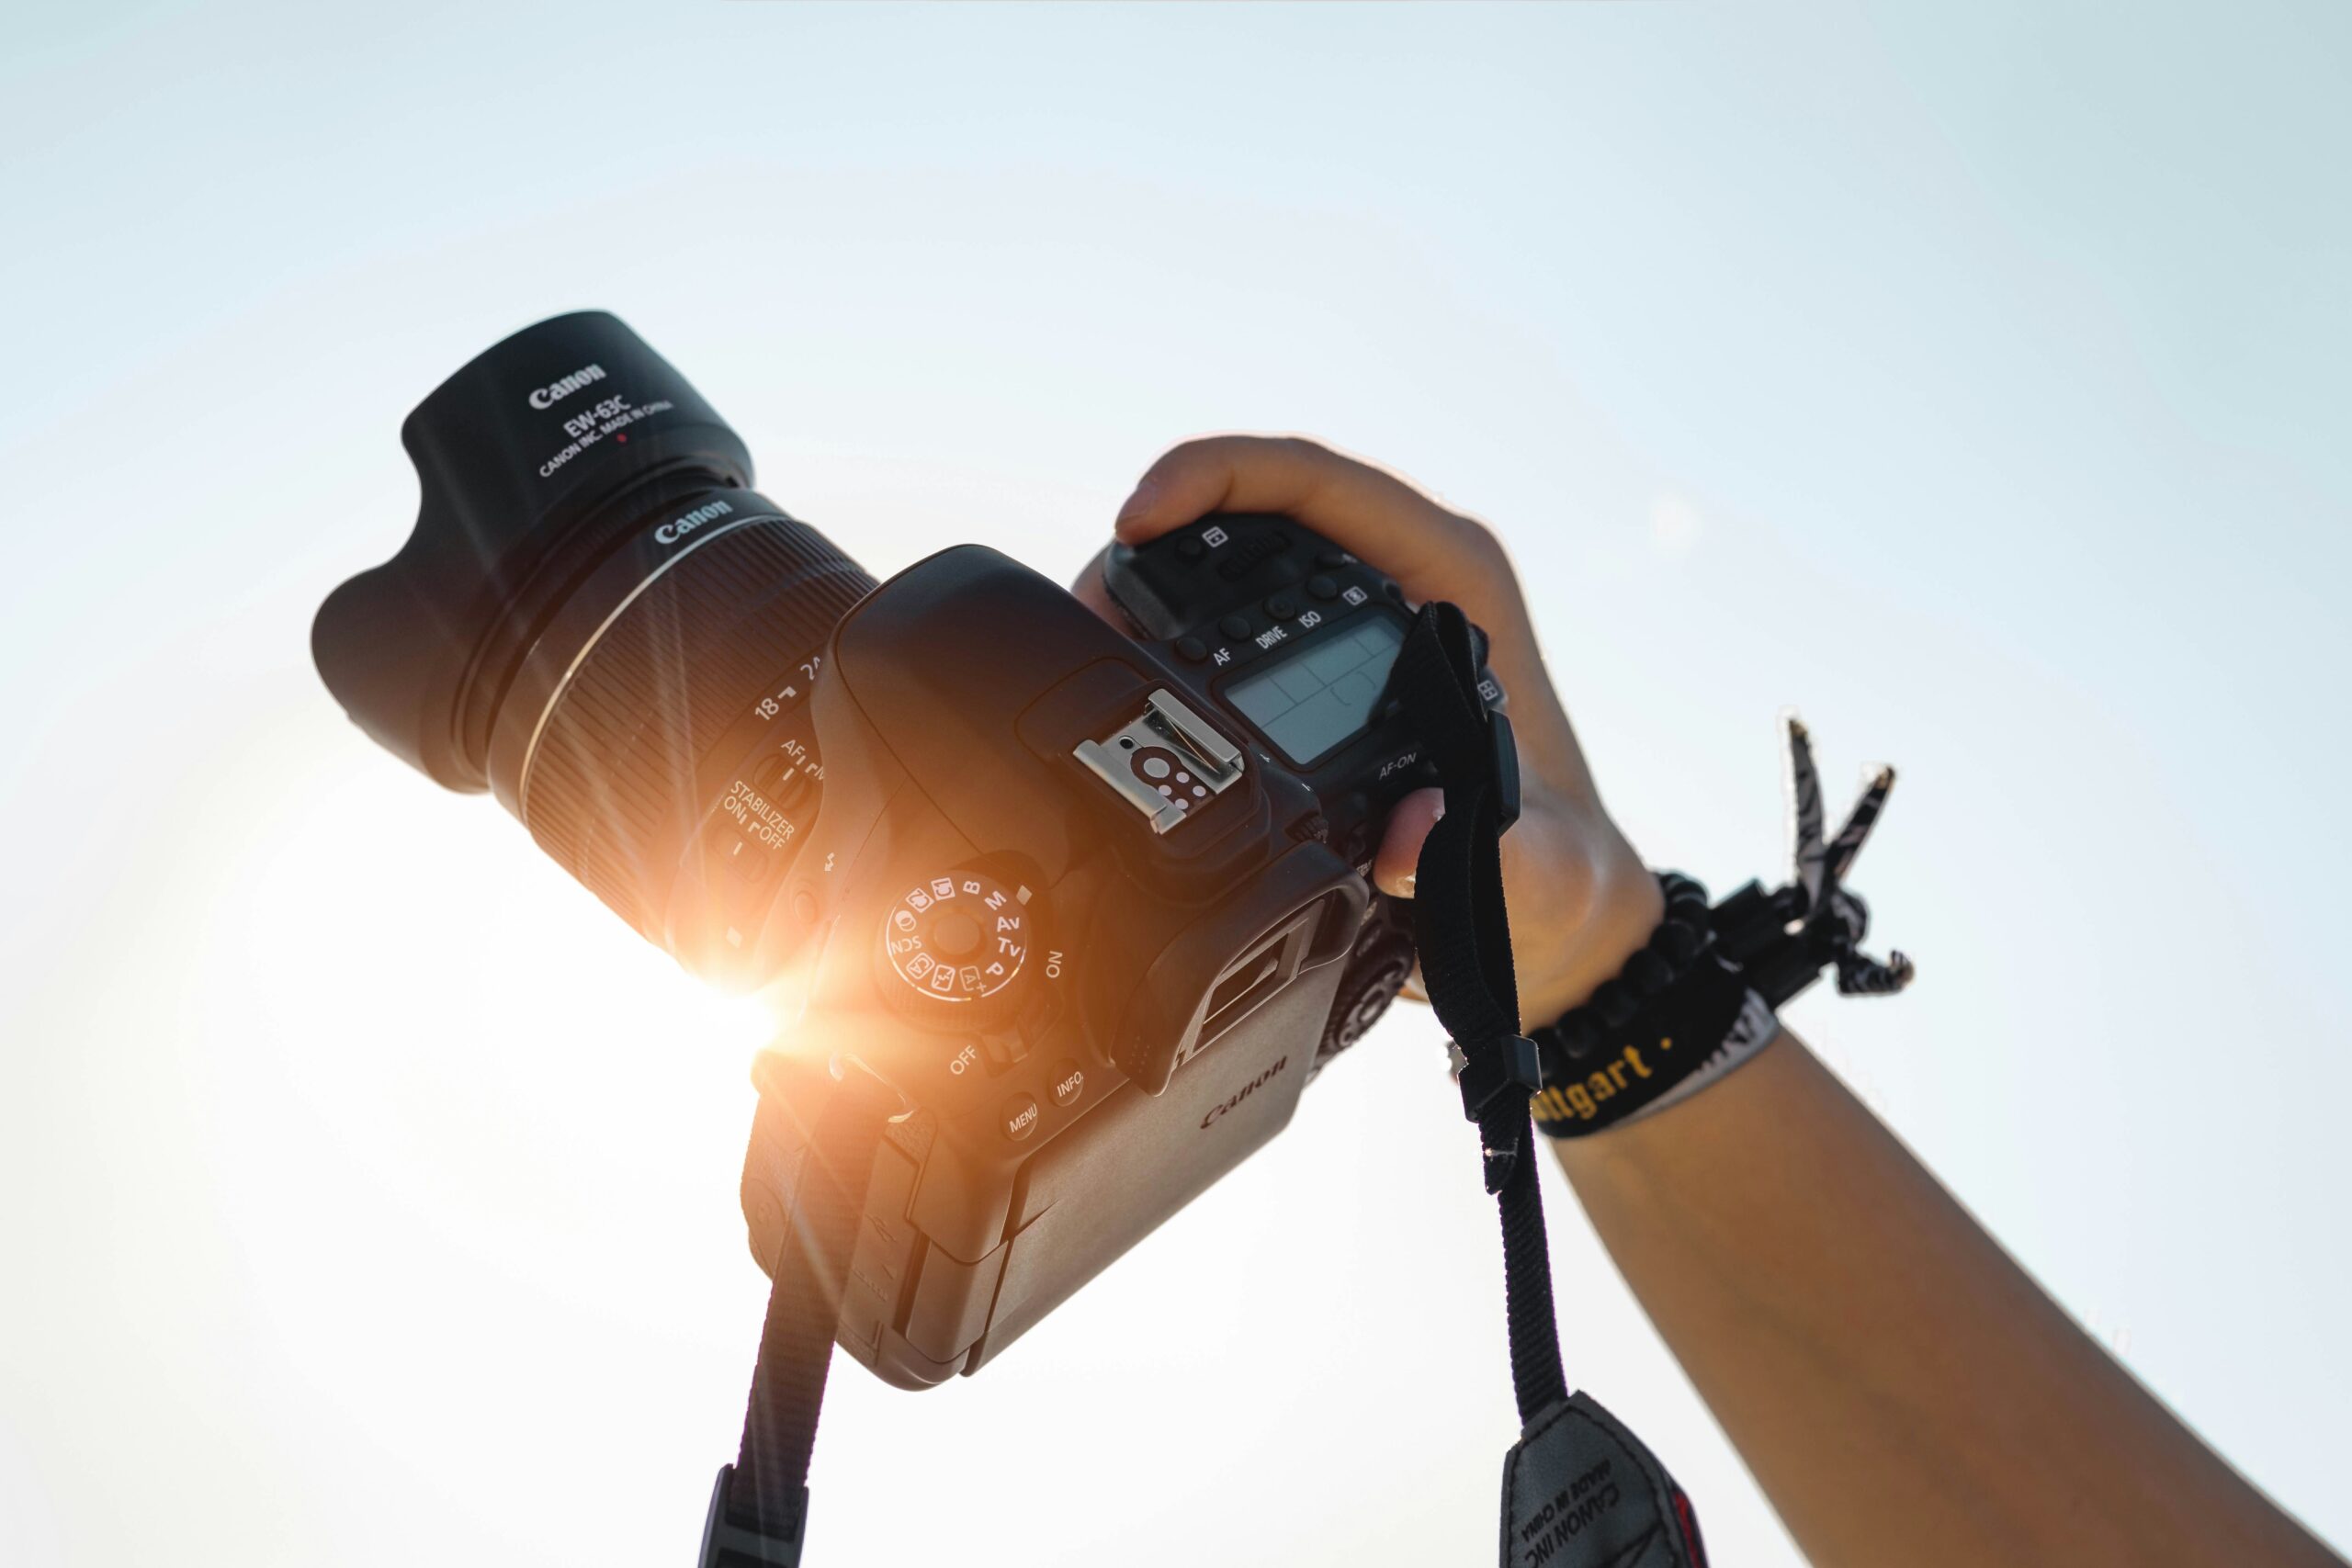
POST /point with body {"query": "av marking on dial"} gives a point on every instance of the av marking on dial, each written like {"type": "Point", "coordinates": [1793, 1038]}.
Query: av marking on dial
{"type": "Point", "coordinates": [961, 941]}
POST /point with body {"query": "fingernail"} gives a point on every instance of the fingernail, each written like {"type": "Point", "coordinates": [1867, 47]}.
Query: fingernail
{"type": "Point", "coordinates": [1137, 502]}
{"type": "Point", "coordinates": [1404, 884]}
{"type": "Point", "coordinates": [1438, 815]}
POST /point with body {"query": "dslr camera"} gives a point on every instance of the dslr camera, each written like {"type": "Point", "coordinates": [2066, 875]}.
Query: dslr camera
{"type": "Point", "coordinates": [1094, 903]}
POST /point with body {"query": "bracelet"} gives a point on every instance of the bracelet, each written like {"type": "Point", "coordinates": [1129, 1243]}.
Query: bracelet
{"type": "Point", "coordinates": [1698, 999]}
{"type": "Point", "coordinates": [1679, 1015]}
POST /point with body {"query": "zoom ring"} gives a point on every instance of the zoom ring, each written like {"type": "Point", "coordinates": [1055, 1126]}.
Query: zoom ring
{"type": "Point", "coordinates": [609, 787]}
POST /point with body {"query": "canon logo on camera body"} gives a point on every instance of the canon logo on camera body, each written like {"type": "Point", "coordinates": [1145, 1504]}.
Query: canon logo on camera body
{"type": "Point", "coordinates": [1253, 1086]}
{"type": "Point", "coordinates": [671, 533]}
{"type": "Point", "coordinates": [547, 397]}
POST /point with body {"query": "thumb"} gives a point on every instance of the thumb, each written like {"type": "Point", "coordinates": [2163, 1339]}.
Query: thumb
{"type": "Point", "coordinates": [1400, 842]}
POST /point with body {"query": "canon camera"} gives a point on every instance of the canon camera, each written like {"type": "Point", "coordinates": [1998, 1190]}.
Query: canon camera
{"type": "Point", "coordinates": [1095, 904]}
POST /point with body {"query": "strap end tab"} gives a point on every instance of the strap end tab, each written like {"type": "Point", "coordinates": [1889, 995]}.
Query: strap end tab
{"type": "Point", "coordinates": [726, 1544]}
{"type": "Point", "coordinates": [1506, 769]}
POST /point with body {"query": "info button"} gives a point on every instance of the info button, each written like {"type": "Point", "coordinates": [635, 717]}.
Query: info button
{"type": "Point", "coordinates": [1020, 1115]}
{"type": "Point", "coordinates": [1070, 1084]}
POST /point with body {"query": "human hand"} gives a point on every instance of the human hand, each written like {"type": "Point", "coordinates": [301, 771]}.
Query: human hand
{"type": "Point", "coordinates": [1580, 900]}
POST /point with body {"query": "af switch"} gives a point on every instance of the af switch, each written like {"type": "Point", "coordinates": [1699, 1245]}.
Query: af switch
{"type": "Point", "coordinates": [782, 781]}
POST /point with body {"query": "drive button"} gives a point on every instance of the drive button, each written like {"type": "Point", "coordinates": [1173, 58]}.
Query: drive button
{"type": "Point", "coordinates": [1020, 1116]}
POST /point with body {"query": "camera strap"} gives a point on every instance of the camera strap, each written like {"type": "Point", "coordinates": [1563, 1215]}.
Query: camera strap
{"type": "Point", "coordinates": [811, 1189]}
{"type": "Point", "coordinates": [1579, 1490]}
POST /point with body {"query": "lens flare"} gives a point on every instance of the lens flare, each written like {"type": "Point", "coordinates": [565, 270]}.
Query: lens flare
{"type": "Point", "coordinates": [741, 1026]}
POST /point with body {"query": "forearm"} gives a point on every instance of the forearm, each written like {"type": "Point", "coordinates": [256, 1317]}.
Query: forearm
{"type": "Point", "coordinates": [1901, 1389]}
{"type": "Point", "coordinates": [1904, 1394]}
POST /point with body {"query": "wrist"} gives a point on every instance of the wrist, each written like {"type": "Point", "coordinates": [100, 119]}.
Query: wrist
{"type": "Point", "coordinates": [1621, 905]}
{"type": "Point", "coordinates": [1680, 1015]}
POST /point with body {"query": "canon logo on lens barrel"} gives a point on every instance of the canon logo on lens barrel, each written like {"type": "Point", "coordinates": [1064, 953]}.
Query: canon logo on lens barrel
{"type": "Point", "coordinates": [555, 391]}
{"type": "Point", "coordinates": [671, 533]}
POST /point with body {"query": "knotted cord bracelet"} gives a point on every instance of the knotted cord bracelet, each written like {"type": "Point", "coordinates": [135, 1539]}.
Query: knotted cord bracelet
{"type": "Point", "coordinates": [1678, 1014]}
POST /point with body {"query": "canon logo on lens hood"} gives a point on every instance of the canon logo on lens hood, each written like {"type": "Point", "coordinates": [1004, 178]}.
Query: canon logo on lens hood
{"type": "Point", "coordinates": [548, 396]}
{"type": "Point", "coordinates": [671, 533]}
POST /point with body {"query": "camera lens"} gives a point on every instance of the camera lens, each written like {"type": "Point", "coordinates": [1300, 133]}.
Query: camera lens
{"type": "Point", "coordinates": [597, 619]}
{"type": "Point", "coordinates": [608, 742]}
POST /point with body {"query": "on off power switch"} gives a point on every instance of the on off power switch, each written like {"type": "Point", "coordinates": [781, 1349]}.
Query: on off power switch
{"type": "Point", "coordinates": [957, 949]}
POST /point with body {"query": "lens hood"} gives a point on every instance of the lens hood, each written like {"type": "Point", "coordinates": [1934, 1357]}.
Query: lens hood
{"type": "Point", "coordinates": [534, 460]}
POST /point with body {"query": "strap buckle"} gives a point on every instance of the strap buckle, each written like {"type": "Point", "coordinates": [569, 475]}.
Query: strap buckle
{"type": "Point", "coordinates": [1511, 1062]}
{"type": "Point", "coordinates": [726, 1544]}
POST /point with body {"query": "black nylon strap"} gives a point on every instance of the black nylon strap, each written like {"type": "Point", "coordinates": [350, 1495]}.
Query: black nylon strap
{"type": "Point", "coordinates": [759, 1506]}
{"type": "Point", "coordinates": [1464, 946]}
{"type": "Point", "coordinates": [1463, 931]}
{"type": "Point", "coordinates": [1579, 1490]}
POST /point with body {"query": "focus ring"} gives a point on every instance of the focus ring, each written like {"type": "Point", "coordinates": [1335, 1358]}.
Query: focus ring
{"type": "Point", "coordinates": [609, 785]}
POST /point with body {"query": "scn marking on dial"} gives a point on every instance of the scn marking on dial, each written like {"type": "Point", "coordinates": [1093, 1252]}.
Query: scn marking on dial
{"type": "Point", "coordinates": [958, 939]}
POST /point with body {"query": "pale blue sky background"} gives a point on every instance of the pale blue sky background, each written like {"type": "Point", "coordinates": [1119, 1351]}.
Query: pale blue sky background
{"type": "Point", "coordinates": [1972, 378]}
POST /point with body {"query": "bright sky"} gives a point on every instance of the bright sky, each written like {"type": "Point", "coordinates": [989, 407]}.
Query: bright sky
{"type": "Point", "coordinates": [1971, 382]}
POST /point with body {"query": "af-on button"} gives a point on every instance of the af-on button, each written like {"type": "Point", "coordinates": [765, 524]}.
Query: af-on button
{"type": "Point", "coordinates": [1020, 1115]}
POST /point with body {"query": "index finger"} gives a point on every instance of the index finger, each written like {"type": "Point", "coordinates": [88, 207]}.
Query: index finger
{"type": "Point", "coordinates": [1435, 553]}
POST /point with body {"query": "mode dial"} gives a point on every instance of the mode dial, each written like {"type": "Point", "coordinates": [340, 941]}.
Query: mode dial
{"type": "Point", "coordinates": [957, 950]}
